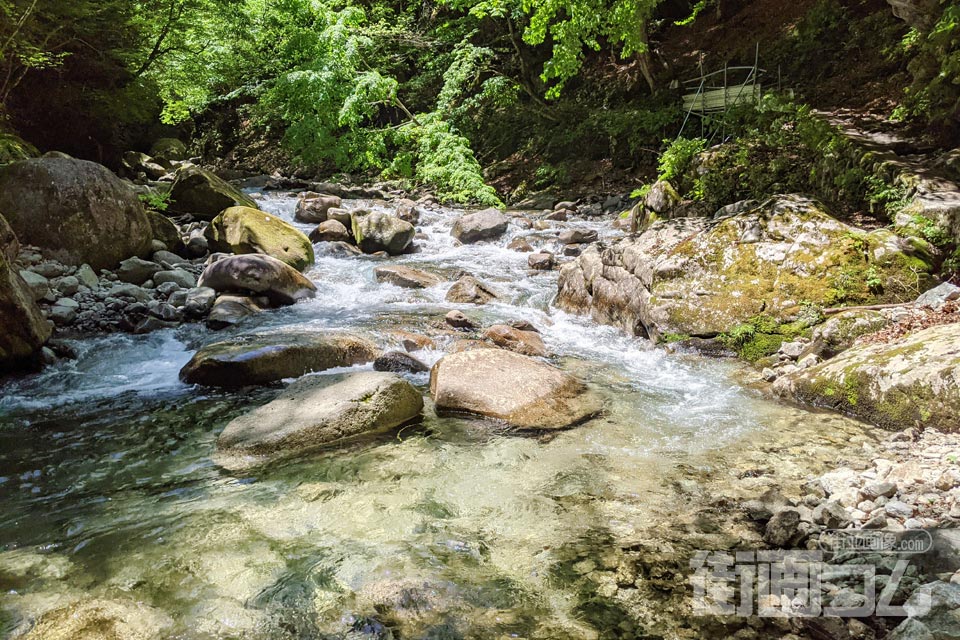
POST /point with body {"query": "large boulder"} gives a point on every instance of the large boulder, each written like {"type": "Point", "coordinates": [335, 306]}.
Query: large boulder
{"type": "Point", "coordinates": [265, 358]}
{"type": "Point", "coordinates": [76, 211]}
{"type": "Point", "coordinates": [406, 277]}
{"type": "Point", "coordinates": [244, 230]}
{"type": "Point", "coordinates": [203, 194]}
{"type": "Point", "coordinates": [9, 244]}
{"type": "Point", "coordinates": [313, 207]}
{"type": "Point", "coordinates": [165, 231]}
{"type": "Point", "coordinates": [519, 390]}
{"type": "Point", "coordinates": [23, 329]}
{"type": "Point", "coordinates": [381, 232]}
{"type": "Point", "coordinates": [915, 380]}
{"type": "Point", "coordinates": [330, 231]}
{"type": "Point", "coordinates": [696, 277]}
{"type": "Point", "coordinates": [169, 149]}
{"type": "Point", "coordinates": [258, 274]}
{"type": "Point", "coordinates": [488, 224]}
{"type": "Point", "coordinates": [318, 411]}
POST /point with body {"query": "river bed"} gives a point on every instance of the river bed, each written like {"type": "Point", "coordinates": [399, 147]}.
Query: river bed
{"type": "Point", "coordinates": [451, 528]}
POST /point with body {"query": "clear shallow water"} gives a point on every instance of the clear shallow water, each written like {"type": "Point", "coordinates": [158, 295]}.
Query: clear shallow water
{"type": "Point", "coordinates": [452, 527]}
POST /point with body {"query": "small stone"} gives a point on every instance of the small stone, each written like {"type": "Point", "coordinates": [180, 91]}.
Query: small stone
{"type": "Point", "coordinates": [168, 288]}
{"type": "Point", "coordinates": [459, 320]}
{"type": "Point", "coordinates": [521, 245]}
{"type": "Point", "coordinates": [768, 374]}
{"type": "Point", "coordinates": [578, 236]}
{"type": "Point", "coordinates": [61, 315]}
{"type": "Point", "coordinates": [898, 509]}
{"type": "Point", "coordinates": [878, 521]}
{"type": "Point", "coordinates": [137, 271]}
{"type": "Point", "coordinates": [877, 489]}
{"type": "Point", "coordinates": [792, 349]}
{"type": "Point", "coordinates": [948, 480]}
{"type": "Point", "coordinates": [913, 523]}
{"type": "Point", "coordinates": [399, 362]}
{"type": "Point", "coordinates": [87, 277]}
{"type": "Point", "coordinates": [809, 360]}
{"type": "Point", "coordinates": [68, 285]}
{"type": "Point", "coordinates": [182, 278]}
{"type": "Point", "coordinates": [831, 514]}
{"type": "Point", "coordinates": [543, 261]}
{"type": "Point", "coordinates": [782, 527]}
{"type": "Point", "coordinates": [49, 269]}
{"type": "Point", "coordinates": [39, 286]}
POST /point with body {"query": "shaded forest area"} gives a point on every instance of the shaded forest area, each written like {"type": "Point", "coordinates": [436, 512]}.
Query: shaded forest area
{"type": "Point", "coordinates": [457, 95]}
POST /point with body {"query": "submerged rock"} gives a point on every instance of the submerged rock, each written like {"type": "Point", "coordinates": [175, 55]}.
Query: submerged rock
{"type": "Point", "coordinates": [243, 230]}
{"type": "Point", "coordinates": [381, 232]}
{"type": "Point", "coordinates": [260, 274]}
{"type": "Point", "coordinates": [228, 310]}
{"type": "Point", "coordinates": [696, 277]}
{"type": "Point", "coordinates": [519, 390]}
{"type": "Point", "coordinates": [202, 194]}
{"type": "Point", "coordinates": [488, 224]}
{"type": "Point", "coordinates": [321, 410]}
{"type": "Point", "coordinates": [915, 380]}
{"type": "Point", "coordinates": [406, 277]}
{"type": "Point", "coordinates": [265, 358]}
{"type": "Point", "coordinates": [102, 620]}
{"type": "Point", "coordinates": [75, 211]}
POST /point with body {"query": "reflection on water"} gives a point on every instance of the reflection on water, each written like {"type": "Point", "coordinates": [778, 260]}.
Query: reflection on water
{"type": "Point", "coordinates": [452, 528]}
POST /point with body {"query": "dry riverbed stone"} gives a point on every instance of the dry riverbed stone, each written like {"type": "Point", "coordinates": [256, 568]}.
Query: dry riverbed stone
{"type": "Point", "coordinates": [521, 391]}
{"type": "Point", "coordinates": [319, 411]}
{"type": "Point", "coordinates": [265, 358]}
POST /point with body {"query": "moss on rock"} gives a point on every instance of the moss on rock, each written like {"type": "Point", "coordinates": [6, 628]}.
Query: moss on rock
{"type": "Point", "coordinates": [913, 381]}
{"type": "Point", "coordinates": [245, 230]}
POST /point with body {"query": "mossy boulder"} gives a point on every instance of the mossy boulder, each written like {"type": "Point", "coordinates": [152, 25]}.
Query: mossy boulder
{"type": "Point", "coordinates": [381, 232]}
{"type": "Point", "coordinates": [165, 231]}
{"type": "Point", "coordinates": [265, 358]}
{"type": "Point", "coordinates": [76, 211]}
{"type": "Point", "coordinates": [839, 332]}
{"type": "Point", "coordinates": [694, 277]}
{"type": "Point", "coordinates": [169, 149]}
{"type": "Point", "coordinates": [203, 194]}
{"type": "Point", "coordinates": [914, 380]}
{"type": "Point", "coordinates": [23, 329]}
{"type": "Point", "coordinates": [245, 230]}
{"type": "Point", "coordinates": [13, 149]}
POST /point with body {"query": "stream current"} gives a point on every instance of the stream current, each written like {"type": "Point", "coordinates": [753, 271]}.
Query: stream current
{"type": "Point", "coordinates": [451, 528]}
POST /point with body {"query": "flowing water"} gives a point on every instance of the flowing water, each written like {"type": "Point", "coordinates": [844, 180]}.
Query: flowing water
{"type": "Point", "coordinates": [451, 528]}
